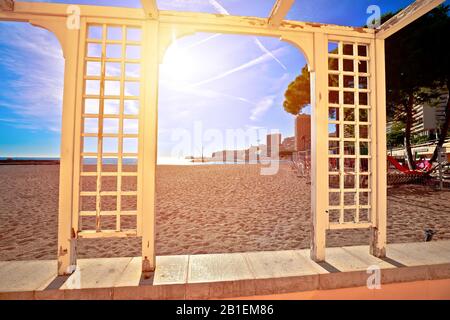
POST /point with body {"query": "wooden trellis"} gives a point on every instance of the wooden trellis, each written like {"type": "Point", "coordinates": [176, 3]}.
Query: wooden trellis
{"type": "Point", "coordinates": [109, 159]}
{"type": "Point", "coordinates": [351, 135]}
{"type": "Point", "coordinates": [110, 105]}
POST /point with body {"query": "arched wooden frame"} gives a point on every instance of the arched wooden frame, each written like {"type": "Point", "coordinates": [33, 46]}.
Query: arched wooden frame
{"type": "Point", "coordinates": [159, 29]}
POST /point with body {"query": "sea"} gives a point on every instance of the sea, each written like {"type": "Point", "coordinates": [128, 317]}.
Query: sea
{"type": "Point", "coordinates": [132, 161]}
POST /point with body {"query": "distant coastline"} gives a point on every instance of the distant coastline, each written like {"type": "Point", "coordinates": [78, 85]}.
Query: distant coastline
{"type": "Point", "coordinates": [112, 161]}
{"type": "Point", "coordinates": [28, 161]}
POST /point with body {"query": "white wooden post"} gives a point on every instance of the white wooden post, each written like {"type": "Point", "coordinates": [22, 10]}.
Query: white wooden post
{"type": "Point", "coordinates": [378, 232]}
{"type": "Point", "coordinates": [319, 148]}
{"type": "Point", "coordinates": [66, 231]}
{"type": "Point", "coordinates": [148, 156]}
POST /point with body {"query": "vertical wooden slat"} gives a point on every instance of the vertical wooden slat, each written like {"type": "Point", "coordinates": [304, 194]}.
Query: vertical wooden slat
{"type": "Point", "coordinates": [341, 132]}
{"type": "Point", "coordinates": [373, 168]}
{"type": "Point", "coordinates": [141, 134]}
{"type": "Point", "coordinates": [79, 128]}
{"type": "Point", "coordinates": [98, 199]}
{"type": "Point", "coordinates": [356, 119]}
{"type": "Point", "coordinates": [121, 128]}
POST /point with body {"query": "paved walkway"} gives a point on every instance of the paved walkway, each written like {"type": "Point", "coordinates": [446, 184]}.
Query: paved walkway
{"type": "Point", "coordinates": [224, 275]}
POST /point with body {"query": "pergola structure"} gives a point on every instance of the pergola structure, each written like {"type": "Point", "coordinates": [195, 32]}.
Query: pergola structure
{"type": "Point", "coordinates": [349, 79]}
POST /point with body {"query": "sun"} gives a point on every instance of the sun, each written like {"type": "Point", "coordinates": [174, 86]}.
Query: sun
{"type": "Point", "coordinates": [179, 65]}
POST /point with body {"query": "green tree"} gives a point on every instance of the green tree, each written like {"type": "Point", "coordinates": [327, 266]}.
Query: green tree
{"type": "Point", "coordinates": [396, 135]}
{"type": "Point", "coordinates": [298, 93]}
{"type": "Point", "coordinates": [417, 67]}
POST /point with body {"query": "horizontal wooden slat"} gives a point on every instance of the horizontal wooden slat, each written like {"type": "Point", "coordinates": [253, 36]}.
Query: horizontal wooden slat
{"type": "Point", "coordinates": [109, 174]}
{"type": "Point", "coordinates": [348, 73]}
{"type": "Point", "coordinates": [92, 234]}
{"type": "Point", "coordinates": [96, 97]}
{"type": "Point", "coordinates": [107, 213]}
{"type": "Point", "coordinates": [96, 59]}
{"type": "Point", "coordinates": [349, 207]}
{"type": "Point", "coordinates": [100, 41]}
{"type": "Point", "coordinates": [116, 155]}
{"type": "Point", "coordinates": [108, 193]}
{"type": "Point", "coordinates": [349, 225]}
{"type": "Point", "coordinates": [350, 190]}
{"type": "Point", "coordinates": [358, 58]}
{"type": "Point", "coordinates": [347, 122]}
{"type": "Point", "coordinates": [110, 135]}
{"type": "Point", "coordinates": [109, 155]}
{"type": "Point", "coordinates": [98, 78]}
{"type": "Point", "coordinates": [349, 89]}
{"type": "Point", "coordinates": [110, 116]}
{"type": "Point", "coordinates": [89, 154]}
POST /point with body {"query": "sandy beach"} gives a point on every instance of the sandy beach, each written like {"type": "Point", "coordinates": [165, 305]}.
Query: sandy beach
{"type": "Point", "coordinates": [206, 209]}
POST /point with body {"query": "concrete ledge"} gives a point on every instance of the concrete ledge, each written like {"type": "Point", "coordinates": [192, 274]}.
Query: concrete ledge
{"type": "Point", "coordinates": [343, 280]}
{"type": "Point", "coordinates": [238, 288]}
{"type": "Point", "coordinates": [405, 274]}
{"type": "Point", "coordinates": [224, 276]}
{"type": "Point", "coordinates": [441, 271]}
{"type": "Point", "coordinates": [29, 295]}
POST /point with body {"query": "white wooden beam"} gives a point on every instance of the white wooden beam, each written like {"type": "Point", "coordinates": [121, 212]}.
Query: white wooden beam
{"type": "Point", "coordinates": [24, 11]}
{"type": "Point", "coordinates": [408, 15]}
{"type": "Point", "coordinates": [6, 5]}
{"type": "Point", "coordinates": [150, 8]}
{"type": "Point", "coordinates": [279, 12]}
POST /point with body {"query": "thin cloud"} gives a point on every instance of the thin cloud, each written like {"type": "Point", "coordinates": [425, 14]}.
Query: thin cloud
{"type": "Point", "coordinates": [264, 49]}
{"type": "Point", "coordinates": [34, 95]}
{"type": "Point", "coordinates": [262, 107]}
{"type": "Point", "coordinates": [224, 11]}
{"type": "Point", "coordinates": [219, 7]}
{"type": "Point", "coordinates": [261, 59]}
{"type": "Point", "coordinates": [205, 93]}
{"type": "Point", "coordinates": [195, 44]}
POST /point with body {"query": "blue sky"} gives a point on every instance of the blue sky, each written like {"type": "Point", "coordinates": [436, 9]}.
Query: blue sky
{"type": "Point", "coordinates": [219, 81]}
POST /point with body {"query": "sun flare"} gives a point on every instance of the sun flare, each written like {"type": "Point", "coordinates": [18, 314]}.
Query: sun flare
{"type": "Point", "coordinates": [179, 65]}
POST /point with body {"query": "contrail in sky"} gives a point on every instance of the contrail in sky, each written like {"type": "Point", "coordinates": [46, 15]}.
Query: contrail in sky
{"type": "Point", "coordinates": [244, 66]}
{"type": "Point", "coordinates": [202, 41]}
{"type": "Point", "coordinates": [222, 10]}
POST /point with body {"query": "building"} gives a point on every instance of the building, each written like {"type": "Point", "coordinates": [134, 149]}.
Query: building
{"type": "Point", "coordinates": [288, 144]}
{"type": "Point", "coordinates": [253, 154]}
{"type": "Point", "coordinates": [273, 144]}
{"type": "Point", "coordinates": [276, 149]}
{"type": "Point", "coordinates": [428, 119]}
{"type": "Point", "coordinates": [287, 148]}
{"type": "Point", "coordinates": [303, 132]}
{"type": "Point", "coordinates": [220, 156]}
{"type": "Point", "coordinates": [228, 155]}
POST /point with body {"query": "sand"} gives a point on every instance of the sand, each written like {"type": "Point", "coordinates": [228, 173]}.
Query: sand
{"type": "Point", "coordinates": [206, 209]}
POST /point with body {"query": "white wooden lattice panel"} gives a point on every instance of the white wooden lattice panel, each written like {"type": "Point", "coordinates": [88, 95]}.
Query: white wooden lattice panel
{"type": "Point", "coordinates": [350, 135]}
{"type": "Point", "coordinates": [110, 131]}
